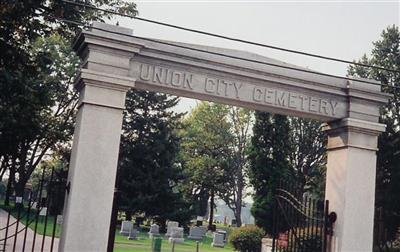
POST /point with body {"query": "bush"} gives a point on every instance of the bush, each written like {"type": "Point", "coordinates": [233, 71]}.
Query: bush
{"type": "Point", "coordinates": [247, 239]}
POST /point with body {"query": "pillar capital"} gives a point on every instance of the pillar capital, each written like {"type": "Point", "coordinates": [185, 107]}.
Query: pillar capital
{"type": "Point", "coordinates": [350, 132]}
{"type": "Point", "coordinates": [102, 89]}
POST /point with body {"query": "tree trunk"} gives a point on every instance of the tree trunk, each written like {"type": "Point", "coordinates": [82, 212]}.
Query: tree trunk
{"type": "Point", "coordinates": [9, 188]}
{"type": "Point", "coordinates": [210, 220]}
{"type": "Point", "coordinates": [238, 214]}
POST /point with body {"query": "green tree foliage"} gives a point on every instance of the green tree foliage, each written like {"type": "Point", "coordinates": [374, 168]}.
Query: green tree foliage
{"type": "Point", "coordinates": [284, 148]}
{"type": "Point", "coordinates": [240, 120]}
{"type": "Point", "coordinates": [386, 53]}
{"type": "Point", "coordinates": [206, 141]}
{"type": "Point", "coordinates": [148, 171]}
{"type": "Point", "coordinates": [269, 162]}
{"type": "Point", "coordinates": [308, 154]}
{"type": "Point", "coordinates": [37, 66]}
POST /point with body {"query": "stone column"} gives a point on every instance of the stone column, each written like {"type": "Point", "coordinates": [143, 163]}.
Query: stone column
{"type": "Point", "coordinates": [350, 182]}
{"type": "Point", "coordinates": [93, 162]}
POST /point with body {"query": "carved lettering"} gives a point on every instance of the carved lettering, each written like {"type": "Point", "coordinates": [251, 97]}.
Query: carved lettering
{"type": "Point", "coordinates": [214, 86]}
{"type": "Point", "coordinates": [145, 74]}
{"type": "Point", "coordinates": [281, 98]}
{"type": "Point", "coordinates": [210, 85]}
{"type": "Point", "coordinates": [257, 94]}
{"type": "Point", "coordinates": [314, 104]}
{"type": "Point", "coordinates": [334, 106]}
{"type": "Point", "coordinates": [292, 100]}
{"type": "Point", "coordinates": [237, 88]}
{"type": "Point", "coordinates": [269, 96]}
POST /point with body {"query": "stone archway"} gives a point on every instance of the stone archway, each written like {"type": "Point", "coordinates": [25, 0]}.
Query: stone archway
{"type": "Point", "coordinates": [114, 61]}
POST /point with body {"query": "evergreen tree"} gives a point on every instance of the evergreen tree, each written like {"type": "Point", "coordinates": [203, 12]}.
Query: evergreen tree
{"type": "Point", "coordinates": [148, 173]}
{"type": "Point", "coordinates": [269, 163]}
{"type": "Point", "coordinates": [386, 53]}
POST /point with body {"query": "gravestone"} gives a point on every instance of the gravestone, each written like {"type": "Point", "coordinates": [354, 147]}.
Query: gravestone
{"type": "Point", "coordinates": [133, 234]}
{"type": "Point", "coordinates": [266, 244]}
{"type": "Point", "coordinates": [176, 235]}
{"type": "Point", "coordinates": [43, 211]}
{"type": "Point", "coordinates": [224, 233]}
{"type": "Point", "coordinates": [170, 225]}
{"type": "Point", "coordinates": [154, 230]}
{"type": "Point", "coordinates": [218, 240]}
{"type": "Point", "coordinates": [126, 227]}
{"type": "Point", "coordinates": [59, 219]}
{"type": "Point", "coordinates": [196, 233]}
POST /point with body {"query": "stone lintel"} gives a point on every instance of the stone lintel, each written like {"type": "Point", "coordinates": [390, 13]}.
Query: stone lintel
{"type": "Point", "coordinates": [103, 89]}
{"type": "Point", "coordinates": [355, 133]}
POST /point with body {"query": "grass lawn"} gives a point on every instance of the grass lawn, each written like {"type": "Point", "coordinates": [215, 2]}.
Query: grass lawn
{"type": "Point", "coordinates": [122, 244]}
{"type": "Point", "coordinates": [143, 244]}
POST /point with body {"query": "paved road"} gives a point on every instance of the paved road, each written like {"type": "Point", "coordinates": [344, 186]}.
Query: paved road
{"type": "Point", "coordinates": [20, 237]}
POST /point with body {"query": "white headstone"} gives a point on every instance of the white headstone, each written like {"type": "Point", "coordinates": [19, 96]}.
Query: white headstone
{"type": "Point", "coordinates": [176, 235]}
{"type": "Point", "coordinates": [59, 219]}
{"type": "Point", "coordinates": [266, 245]}
{"type": "Point", "coordinates": [218, 240]}
{"type": "Point", "coordinates": [170, 225]}
{"type": "Point", "coordinates": [43, 211]}
{"type": "Point", "coordinates": [126, 227]}
{"type": "Point", "coordinates": [154, 230]}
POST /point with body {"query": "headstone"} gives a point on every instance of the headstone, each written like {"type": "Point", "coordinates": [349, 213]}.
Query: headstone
{"type": "Point", "coordinates": [176, 235]}
{"type": "Point", "coordinates": [170, 225]}
{"type": "Point", "coordinates": [266, 244]}
{"type": "Point", "coordinates": [218, 240]}
{"type": "Point", "coordinates": [126, 227]}
{"type": "Point", "coordinates": [224, 233]}
{"type": "Point", "coordinates": [133, 234]}
{"type": "Point", "coordinates": [59, 219]}
{"type": "Point", "coordinates": [196, 233]}
{"type": "Point", "coordinates": [43, 211]}
{"type": "Point", "coordinates": [154, 230]}
{"type": "Point", "coordinates": [233, 222]}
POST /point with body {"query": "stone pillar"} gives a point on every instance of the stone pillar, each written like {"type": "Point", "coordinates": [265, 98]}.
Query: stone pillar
{"type": "Point", "coordinates": [93, 163]}
{"type": "Point", "coordinates": [350, 182]}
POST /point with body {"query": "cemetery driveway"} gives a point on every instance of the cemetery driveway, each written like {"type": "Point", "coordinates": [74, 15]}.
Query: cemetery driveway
{"type": "Point", "coordinates": [20, 237]}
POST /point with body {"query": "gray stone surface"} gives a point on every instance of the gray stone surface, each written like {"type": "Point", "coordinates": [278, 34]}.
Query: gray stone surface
{"type": "Point", "coordinates": [197, 233]}
{"type": "Point", "coordinates": [170, 226]}
{"type": "Point", "coordinates": [126, 227]}
{"type": "Point", "coordinates": [154, 230]}
{"type": "Point", "coordinates": [176, 235]}
{"type": "Point", "coordinates": [218, 240]}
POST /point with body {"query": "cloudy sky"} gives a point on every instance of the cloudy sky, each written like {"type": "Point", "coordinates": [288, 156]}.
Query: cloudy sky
{"type": "Point", "coordinates": [342, 29]}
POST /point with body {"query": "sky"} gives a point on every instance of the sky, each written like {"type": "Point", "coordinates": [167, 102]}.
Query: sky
{"type": "Point", "coordinates": [340, 29]}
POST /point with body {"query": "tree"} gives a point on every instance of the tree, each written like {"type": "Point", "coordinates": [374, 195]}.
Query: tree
{"type": "Point", "coordinates": [240, 120]}
{"type": "Point", "coordinates": [308, 154]}
{"type": "Point", "coordinates": [284, 148]}
{"type": "Point", "coordinates": [269, 163]}
{"type": "Point", "coordinates": [37, 101]}
{"type": "Point", "coordinates": [206, 141]}
{"type": "Point", "coordinates": [386, 53]}
{"type": "Point", "coordinates": [148, 171]}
